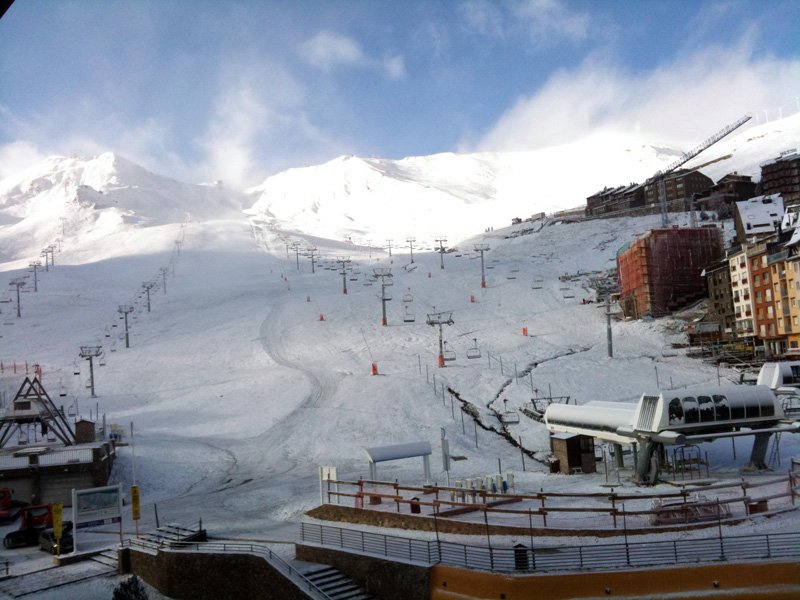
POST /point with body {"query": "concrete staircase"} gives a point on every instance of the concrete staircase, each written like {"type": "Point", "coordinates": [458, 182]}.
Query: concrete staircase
{"type": "Point", "coordinates": [335, 584]}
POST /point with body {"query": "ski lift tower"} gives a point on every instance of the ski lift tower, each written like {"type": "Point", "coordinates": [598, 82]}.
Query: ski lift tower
{"type": "Point", "coordinates": [440, 318]}
{"type": "Point", "coordinates": [441, 241]}
{"type": "Point", "coordinates": [125, 309]}
{"type": "Point", "coordinates": [35, 265]}
{"type": "Point", "coordinates": [310, 253]}
{"type": "Point", "coordinates": [343, 260]}
{"type": "Point", "coordinates": [90, 352]}
{"type": "Point", "coordinates": [148, 285]}
{"type": "Point", "coordinates": [164, 271]}
{"type": "Point", "coordinates": [660, 177]}
{"type": "Point", "coordinates": [18, 283]}
{"type": "Point", "coordinates": [482, 248]}
{"type": "Point", "coordinates": [296, 248]}
{"type": "Point", "coordinates": [384, 273]}
{"type": "Point", "coordinates": [411, 241]}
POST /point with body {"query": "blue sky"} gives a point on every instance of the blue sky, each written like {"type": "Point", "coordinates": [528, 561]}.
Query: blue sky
{"type": "Point", "coordinates": [203, 90]}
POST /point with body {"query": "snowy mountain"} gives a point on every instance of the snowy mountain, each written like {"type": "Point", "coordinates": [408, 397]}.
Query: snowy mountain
{"type": "Point", "coordinates": [459, 195]}
{"type": "Point", "coordinates": [91, 199]}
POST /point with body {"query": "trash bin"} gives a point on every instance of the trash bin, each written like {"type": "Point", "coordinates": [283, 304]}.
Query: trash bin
{"type": "Point", "coordinates": [520, 557]}
{"type": "Point", "coordinates": [415, 508]}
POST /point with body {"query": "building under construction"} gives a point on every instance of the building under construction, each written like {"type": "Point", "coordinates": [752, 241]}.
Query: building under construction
{"type": "Point", "coordinates": [661, 271]}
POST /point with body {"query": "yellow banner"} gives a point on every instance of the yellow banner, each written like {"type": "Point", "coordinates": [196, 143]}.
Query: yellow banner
{"type": "Point", "coordinates": [135, 512]}
{"type": "Point", "coordinates": [57, 509]}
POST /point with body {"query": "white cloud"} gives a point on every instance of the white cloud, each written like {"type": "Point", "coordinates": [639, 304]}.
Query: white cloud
{"type": "Point", "coordinates": [680, 103]}
{"type": "Point", "coordinates": [327, 51]}
{"type": "Point", "coordinates": [18, 156]}
{"type": "Point", "coordinates": [541, 21]}
{"type": "Point", "coordinates": [483, 17]}
{"type": "Point", "coordinates": [259, 126]}
{"type": "Point", "coordinates": [394, 67]}
{"type": "Point", "coordinates": [547, 19]}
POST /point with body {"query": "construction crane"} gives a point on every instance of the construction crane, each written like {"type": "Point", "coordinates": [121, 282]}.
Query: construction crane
{"type": "Point", "coordinates": [660, 176]}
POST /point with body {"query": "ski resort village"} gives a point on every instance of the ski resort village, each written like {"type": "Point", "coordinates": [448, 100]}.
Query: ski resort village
{"type": "Point", "coordinates": [466, 300]}
{"type": "Point", "coordinates": [225, 393]}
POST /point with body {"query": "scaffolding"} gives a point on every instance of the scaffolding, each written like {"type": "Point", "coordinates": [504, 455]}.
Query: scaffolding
{"type": "Point", "coordinates": [661, 271]}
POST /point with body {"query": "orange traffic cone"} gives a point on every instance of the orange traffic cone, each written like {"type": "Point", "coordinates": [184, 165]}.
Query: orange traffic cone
{"type": "Point", "coordinates": [374, 369]}
{"type": "Point", "coordinates": [525, 331]}
{"type": "Point", "coordinates": [321, 317]}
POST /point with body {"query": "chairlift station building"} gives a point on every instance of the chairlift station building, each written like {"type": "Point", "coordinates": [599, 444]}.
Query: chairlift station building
{"type": "Point", "coordinates": [42, 455]}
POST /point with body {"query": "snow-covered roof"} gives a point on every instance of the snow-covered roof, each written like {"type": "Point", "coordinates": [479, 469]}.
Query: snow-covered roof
{"type": "Point", "coordinates": [397, 451]}
{"type": "Point", "coordinates": [762, 214]}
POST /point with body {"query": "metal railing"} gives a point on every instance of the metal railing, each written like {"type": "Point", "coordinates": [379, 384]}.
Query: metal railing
{"type": "Point", "coordinates": [275, 561]}
{"type": "Point", "coordinates": [564, 510]}
{"type": "Point", "coordinates": [557, 558]}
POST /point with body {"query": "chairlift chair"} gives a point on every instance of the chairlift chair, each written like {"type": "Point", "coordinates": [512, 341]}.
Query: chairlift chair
{"type": "Point", "coordinates": [102, 361]}
{"type": "Point", "coordinates": [408, 317]}
{"type": "Point", "coordinates": [408, 297]}
{"type": "Point", "coordinates": [474, 352]}
{"type": "Point", "coordinates": [448, 355]}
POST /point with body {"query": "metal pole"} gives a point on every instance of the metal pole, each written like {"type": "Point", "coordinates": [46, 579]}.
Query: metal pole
{"type": "Point", "coordinates": [91, 376]}
{"type": "Point", "coordinates": [127, 337]}
{"type": "Point", "coordinates": [483, 276]}
{"type": "Point", "coordinates": [608, 327]}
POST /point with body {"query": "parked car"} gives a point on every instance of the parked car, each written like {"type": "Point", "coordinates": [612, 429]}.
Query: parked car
{"type": "Point", "coordinates": [47, 539]}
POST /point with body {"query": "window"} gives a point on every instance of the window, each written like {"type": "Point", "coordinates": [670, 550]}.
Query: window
{"type": "Point", "coordinates": [691, 412]}
{"type": "Point", "coordinates": [706, 408]}
{"type": "Point", "coordinates": [723, 410]}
